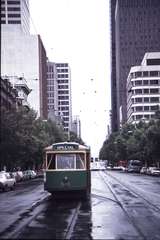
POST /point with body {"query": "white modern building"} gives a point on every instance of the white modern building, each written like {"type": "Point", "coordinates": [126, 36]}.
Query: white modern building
{"type": "Point", "coordinates": [76, 126]}
{"type": "Point", "coordinates": [59, 92]}
{"type": "Point", "coordinates": [23, 54]}
{"type": "Point", "coordinates": [143, 89]}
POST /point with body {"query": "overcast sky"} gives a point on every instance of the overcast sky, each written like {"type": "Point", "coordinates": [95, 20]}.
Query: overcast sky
{"type": "Point", "coordinates": [77, 32]}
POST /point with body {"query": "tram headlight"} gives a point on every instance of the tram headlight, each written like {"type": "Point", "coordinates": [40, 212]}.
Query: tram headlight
{"type": "Point", "coordinates": [44, 176]}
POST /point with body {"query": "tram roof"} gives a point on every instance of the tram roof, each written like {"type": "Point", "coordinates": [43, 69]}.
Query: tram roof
{"type": "Point", "coordinates": [76, 146]}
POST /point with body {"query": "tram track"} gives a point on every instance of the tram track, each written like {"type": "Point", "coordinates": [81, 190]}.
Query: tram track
{"type": "Point", "coordinates": [135, 192]}
{"type": "Point", "coordinates": [134, 204]}
{"type": "Point", "coordinates": [122, 206]}
{"type": "Point", "coordinates": [18, 228]}
{"type": "Point", "coordinates": [72, 222]}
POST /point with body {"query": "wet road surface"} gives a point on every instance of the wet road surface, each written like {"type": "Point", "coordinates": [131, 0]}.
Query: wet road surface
{"type": "Point", "coordinates": [114, 211]}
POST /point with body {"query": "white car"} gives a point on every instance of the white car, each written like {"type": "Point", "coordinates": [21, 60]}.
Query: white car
{"type": "Point", "coordinates": [154, 171]}
{"type": "Point", "coordinates": [6, 181]}
{"type": "Point", "coordinates": [17, 175]}
{"type": "Point", "coordinates": [144, 170]}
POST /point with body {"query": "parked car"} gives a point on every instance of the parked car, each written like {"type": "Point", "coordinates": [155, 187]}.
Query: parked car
{"type": "Point", "coordinates": [6, 181]}
{"type": "Point", "coordinates": [154, 171]}
{"type": "Point", "coordinates": [29, 174]}
{"type": "Point", "coordinates": [134, 166]}
{"type": "Point", "coordinates": [118, 168]}
{"type": "Point", "coordinates": [18, 175]}
{"type": "Point", "coordinates": [144, 170]}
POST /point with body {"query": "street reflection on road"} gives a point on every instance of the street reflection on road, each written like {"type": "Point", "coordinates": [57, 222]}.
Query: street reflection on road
{"type": "Point", "coordinates": [54, 221]}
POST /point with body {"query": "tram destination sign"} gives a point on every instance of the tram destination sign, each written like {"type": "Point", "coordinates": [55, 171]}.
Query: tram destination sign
{"type": "Point", "coordinates": [66, 146]}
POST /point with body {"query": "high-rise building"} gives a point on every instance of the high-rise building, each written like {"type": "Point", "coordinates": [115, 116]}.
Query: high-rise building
{"type": "Point", "coordinates": [23, 54]}
{"type": "Point", "coordinates": [15, 14]}
{"type": "Point", "coordinates": [113, 112]}
{"type": "Point", "coordinates": [76, 126]}
{"type": "Point", "coordinates": [52, 89]}
{"type": "Point", "coordinates": [143, 89]}
{"type": "Point", "coordinates": [59, 92]}
{"type": "Point", "coordinates": [135, 30]}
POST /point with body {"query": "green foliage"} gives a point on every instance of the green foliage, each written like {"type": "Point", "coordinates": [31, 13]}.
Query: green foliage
{"type": "Point", "coordinates": [23, 138]}
{"type": "Point", "coordinates": [141, 141]}
{"type": "Point", "coordinates": [73, 138]}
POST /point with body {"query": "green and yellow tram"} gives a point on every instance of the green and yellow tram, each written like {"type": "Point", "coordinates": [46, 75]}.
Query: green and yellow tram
{"type": "Point", "coordinates": [67, 169]}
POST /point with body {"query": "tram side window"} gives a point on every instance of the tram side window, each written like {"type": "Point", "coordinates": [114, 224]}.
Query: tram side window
{"type": "Point", "coordinates": [80, 163]}
{"type": "Point", "coordinates": [65, 161]}
{"type": "Point", "coordinates": [50, 161]}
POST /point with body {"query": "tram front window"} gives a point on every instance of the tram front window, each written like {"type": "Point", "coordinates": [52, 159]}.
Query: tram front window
{"type": "Point", "coordinates": [80, 162]}
{"type": "Point", "coordinates": [65, 161]}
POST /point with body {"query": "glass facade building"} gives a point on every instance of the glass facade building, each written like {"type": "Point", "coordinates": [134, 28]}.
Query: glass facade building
{"type": "Point", "coordinates": [135, 30]}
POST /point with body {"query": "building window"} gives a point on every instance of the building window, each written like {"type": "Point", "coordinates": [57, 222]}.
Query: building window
{"type": "Point", "coordinates": [63, 87]}
{"type": "Point", "coordinates": [66, 113]}
{"type": "Point", "coordinates": [63, 81]}
{"type": "Point", "coordinates": [154, 90]}
{"type": "Point", "coordinates": [145, 74]}
{"type": "Point", "coordinates": [66, 118]}
{"type": "Point", "coordinates": [154, 73]}
{"type": "Point", "coordinates": [63, 92]}
{"type": "Point", "coordinates": [14, 22]}
{"type": "Point", "coordinates": [138, 100]}
{"type": "Point", "coordinates": [145, 82]}
{"type": "Point", "coordinates": [138, 82]}
{"type": "Point", "coordinates": [138, 74]}
{"type": "Point", "coordinates": [154, 108]}
{"type": "Point", "coordinates": [146, 108]}
{"type": "Point", "coordinates": [146, 99]}
{"type": "Point", "coordinates": [137, 91]}
{"type": "Point", "coordinates": [146, 90]}
{"type": "Point", "coordinates": [154, 82]}
{"type": "Point", "coordinates": [139, 108]}
{"type": "Point", "coordinates": [63, 103]}
{"type": "Point", "coordinates": [14, 15]}
{"type": "Point", "coordinates": [154, 99]}
{"type": "Point", "coordinates": [13, 2]}
{"type": "Point", "coordinates": [13, 9]}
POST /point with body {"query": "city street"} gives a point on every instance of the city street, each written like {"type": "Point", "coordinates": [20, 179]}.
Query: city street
{"type": "Point", "coordinates": [122, 206]}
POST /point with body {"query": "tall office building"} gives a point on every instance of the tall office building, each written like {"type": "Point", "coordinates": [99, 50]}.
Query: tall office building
{"type": "Point", "coordinates": [52, 87]}
{"type": "Point", "coordinates": [23, 54]}
{"type": "Point", "coordinates": [15, 14]}
{"type": "Point", "coordinates": [135, 30]}
{"type": "Point", "coordinates": [59, 93]}
{"type": "Point", "coordinates": [113, 112]}
{"type": "Point", "coordinates": [76, 126]}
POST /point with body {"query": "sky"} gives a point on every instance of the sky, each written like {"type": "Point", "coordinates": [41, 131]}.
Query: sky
{"type": "Point", "coordinates": [78, 32]}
